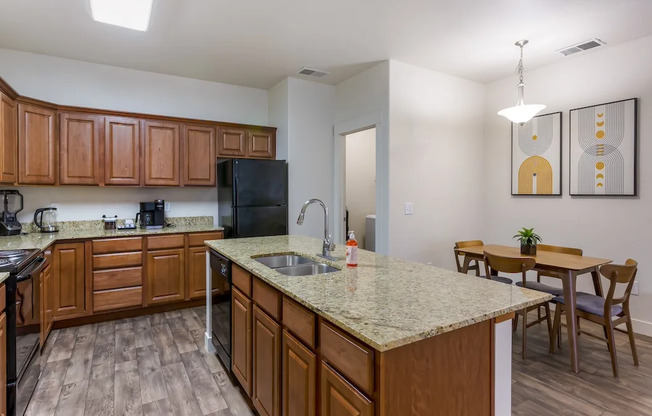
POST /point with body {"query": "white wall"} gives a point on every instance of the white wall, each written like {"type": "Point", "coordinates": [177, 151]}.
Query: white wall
{"type": "Point", "coordinates": [278, 116]}
{"type": "Point", "coordinates": [615, 228]}
{"type": "Point", "coordinates": [310, 153]}
{"type": "Point", "coordinates": [360, 180]}
{"type": "Point", "coordinates": [77, 83]}
{"type": "Point", "coordinates": [436, 158]}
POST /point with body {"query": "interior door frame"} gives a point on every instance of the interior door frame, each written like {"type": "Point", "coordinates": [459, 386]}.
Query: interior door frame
{"type": "Point", "coordinates": [340, 131]}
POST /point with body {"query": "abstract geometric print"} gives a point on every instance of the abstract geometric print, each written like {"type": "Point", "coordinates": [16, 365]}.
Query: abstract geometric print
{"type": "Point", "coordinates": [602, 149]}
{"type": "Point", "coordinates": [536, 159]}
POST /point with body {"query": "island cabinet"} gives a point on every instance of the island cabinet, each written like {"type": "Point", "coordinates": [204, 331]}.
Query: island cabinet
{"type": "Point", "coordinates": [70, 297]}
{"type": "Point", "coordinates": [8, 139]}
{"type": "Point", "coordinates": [36, 145]}
{"type": "Point", "coordinates": [117, 273]}
{"type": "Point", "coordinates": [3, 351]}
{"type": "Point", "coordinates": [80, 138]}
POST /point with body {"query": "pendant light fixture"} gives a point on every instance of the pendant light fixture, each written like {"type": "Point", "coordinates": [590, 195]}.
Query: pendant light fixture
{"type": "Point", "coordinates": [521, 112]}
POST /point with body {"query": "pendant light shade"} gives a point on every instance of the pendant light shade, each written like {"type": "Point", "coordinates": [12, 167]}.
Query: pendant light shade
{"type": "Point", "coordinates": [521, 112]}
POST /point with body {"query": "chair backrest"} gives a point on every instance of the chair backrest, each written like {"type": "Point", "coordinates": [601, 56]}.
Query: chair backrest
{"type": "Point", "coordinates": [560, 249]}
{"type": "Point", "coordinates": [508, 264]}
{"type": "Point", "coordinates": [459, 256]}
{"type": "Point", "coordinates": [619, 274]}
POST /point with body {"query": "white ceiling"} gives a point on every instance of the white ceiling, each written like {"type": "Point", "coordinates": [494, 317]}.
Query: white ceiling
{"type": "Point", "coordinates": [259, 42]}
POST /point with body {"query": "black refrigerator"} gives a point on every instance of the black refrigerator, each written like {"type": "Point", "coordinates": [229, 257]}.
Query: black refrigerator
{"type": "Point", "coordinates": [252, 197]}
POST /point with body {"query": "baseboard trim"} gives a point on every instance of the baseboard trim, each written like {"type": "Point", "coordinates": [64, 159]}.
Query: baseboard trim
{"type": "Point", "coordinates": [642, 327]}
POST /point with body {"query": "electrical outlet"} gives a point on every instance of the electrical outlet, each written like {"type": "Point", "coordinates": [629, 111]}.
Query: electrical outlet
{"type": "Point", "coordinates": [409, 208]}
{"type": "Point", "coordinates": [167, 207]}
{"type": "Point", "coordinates": [635, 288]}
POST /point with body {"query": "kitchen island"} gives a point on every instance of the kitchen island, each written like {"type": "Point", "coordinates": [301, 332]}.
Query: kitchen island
{"type": "Point", "coordinates": [390, 337]}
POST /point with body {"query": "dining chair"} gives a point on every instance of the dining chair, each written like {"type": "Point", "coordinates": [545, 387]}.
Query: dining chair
{"type": "Point", "coordinates": [460, 258]}
{"type": "Point", "coordinates": [603, 310]}
{"type": "Point", "coordinates": [518, 265]}
{"type": "Point", "coordinates": [542, 287]}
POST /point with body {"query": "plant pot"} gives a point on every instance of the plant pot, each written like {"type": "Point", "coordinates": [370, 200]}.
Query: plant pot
{"type": "Point", "coordinates": [529, 249]}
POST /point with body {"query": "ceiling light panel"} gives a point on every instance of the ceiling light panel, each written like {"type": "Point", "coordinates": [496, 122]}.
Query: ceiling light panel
{"type": "Point", "coordinates": [132, 14]}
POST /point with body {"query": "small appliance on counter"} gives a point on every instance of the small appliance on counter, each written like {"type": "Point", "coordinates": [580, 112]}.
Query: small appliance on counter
{"type": "Point", "coordinates": [46, 220]}
{"type": "Point", "coordinates": [128, 225]}
{"type": "Point", "coordinates": [109, 222]}
{"type": "Point", "coordinates": [151, 215]}
{"type": "Point", "coordinates": [12, 202]}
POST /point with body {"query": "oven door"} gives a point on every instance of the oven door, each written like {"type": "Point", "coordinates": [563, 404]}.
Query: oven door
{"type": "Point", "coordinates": [221, 307]}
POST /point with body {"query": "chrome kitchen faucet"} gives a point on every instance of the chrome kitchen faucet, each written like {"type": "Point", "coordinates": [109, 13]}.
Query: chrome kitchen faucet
{"type": "Point", "coordinates": [329, 245]}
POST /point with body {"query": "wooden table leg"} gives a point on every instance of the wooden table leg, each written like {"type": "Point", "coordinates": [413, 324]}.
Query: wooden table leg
{"type": "Point", "coordinates": [597, 282]}
{"type": "Point", "coordinates": [465, 266]}
{"type": "Point", "coordinates": [569, 283]}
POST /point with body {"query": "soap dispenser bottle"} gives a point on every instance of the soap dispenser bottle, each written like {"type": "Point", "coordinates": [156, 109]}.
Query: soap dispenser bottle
{"type": "Point", "coordinates": [352, 251]}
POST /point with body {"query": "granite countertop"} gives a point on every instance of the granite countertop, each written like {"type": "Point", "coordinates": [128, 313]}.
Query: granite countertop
{"type": "Point", "coordinates": [3, 277]}
{"type": "Point", "coordinates": [76, 230]}
{"type": "Point", "coordinates": [386, 302]}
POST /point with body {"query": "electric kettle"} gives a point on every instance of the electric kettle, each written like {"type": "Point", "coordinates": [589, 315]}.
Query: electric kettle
{"type": "Point", "coordinates": [47, 222]}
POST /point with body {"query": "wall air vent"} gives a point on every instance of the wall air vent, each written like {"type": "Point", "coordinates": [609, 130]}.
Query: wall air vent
{"type": "Point", "coordinates": [312, 72]}
{"type": "Point", "coordinates": [582, 46]}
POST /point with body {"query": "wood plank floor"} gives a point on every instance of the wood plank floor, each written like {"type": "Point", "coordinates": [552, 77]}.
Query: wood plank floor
{"type": "Point", "coordinates": [157, 365]}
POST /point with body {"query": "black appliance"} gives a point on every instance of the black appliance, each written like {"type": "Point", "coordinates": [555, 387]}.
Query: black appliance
{"type": "Point", "coordinates": [12, 202]}
{"type": "Point", "coordinates": [252, 197]}
{"type": "Point", "coordinates": [151, 215]}
{"type": "Point", "coordinates": [221, 307]}
{"type": "Point", "coordinates": [23, 325]}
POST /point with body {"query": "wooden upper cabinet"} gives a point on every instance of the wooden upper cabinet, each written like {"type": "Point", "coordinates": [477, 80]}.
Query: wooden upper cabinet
{"type": "Point", "coordinates": [8, 139]}
{"type": "Point", "coordinates": [121, 151]}
{"type": "Point", "coordinates": [36, 145]}
{"type": "Point", "coordinates": [231, 142]}
{"type": "Point", "coordinates": [80, 139]}
{"type": "Point", "coordinates": [261, 143]}
{"type": "Point", "coordinates": [198, 155]}
{"type": "Point", "coordinates": [161, 153]}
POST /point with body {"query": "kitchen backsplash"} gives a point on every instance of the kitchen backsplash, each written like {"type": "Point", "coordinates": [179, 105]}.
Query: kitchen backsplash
{"type": "Point", "coordinates": [99, 225]}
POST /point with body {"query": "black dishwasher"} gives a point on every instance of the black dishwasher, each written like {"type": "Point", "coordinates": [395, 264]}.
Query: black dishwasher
{"type": "Point", "coordinates": [221, 307]}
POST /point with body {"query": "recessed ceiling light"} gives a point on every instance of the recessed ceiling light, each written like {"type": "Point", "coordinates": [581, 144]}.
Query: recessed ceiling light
{"type": "Point", "coordinates": [132, 14]}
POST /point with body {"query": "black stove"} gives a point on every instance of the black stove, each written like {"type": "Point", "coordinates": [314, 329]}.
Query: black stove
{"type": "Point", "coordinates": [13, 260]}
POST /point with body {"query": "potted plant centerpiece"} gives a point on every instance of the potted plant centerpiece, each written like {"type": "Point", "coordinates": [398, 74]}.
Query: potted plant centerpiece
{"type": "Point", "coordinates": [528, 239]}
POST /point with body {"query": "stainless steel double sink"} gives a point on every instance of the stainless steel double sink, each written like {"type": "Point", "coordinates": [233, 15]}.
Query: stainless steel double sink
{"type": "Point", "coordinates": [294, 265]}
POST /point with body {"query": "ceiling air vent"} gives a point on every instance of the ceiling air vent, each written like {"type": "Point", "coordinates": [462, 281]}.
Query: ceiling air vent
{"type": "Point", "coordinates": [582, 46]}
{"type": "Point", "coordinates": [311, 72]}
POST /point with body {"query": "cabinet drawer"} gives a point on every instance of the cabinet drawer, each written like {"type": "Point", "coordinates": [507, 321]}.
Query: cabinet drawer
{"type": "Point", "coordinates": [117, 278]}
{"type": "Point", "coordinates": [165, 241]}
{"type": "Point", "coordinates": [116, 260]}
{"type": "Point", "coordinates": [106, 300]}
{"type": "Point", "coordinates": [117, 245]}
{"type": "Point", "coordinates": [241, 279]}
{"type": "Point", "coordinates": [268, 298]}
{"type": "Point", "coordinates": [349, 356]}
{"type": "Point", "coordinates": [300, 321]}
{"type": "Point", "coordinates": [341, 398]}
{"type": "Point", "coordinates": [3, 298]}
{"type": "Point", "coordinates": [197, 239]}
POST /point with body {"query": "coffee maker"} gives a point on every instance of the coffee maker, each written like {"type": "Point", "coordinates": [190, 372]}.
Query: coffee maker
{"type": "Point", "coordinates": [151, 215]}
{"type": "Point", "coordinates": [12, 202]}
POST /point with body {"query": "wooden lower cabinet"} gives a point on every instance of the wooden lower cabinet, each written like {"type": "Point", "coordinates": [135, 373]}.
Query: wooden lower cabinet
{"type": "Point", "coordinates": [241, 339]}
{"type": "Point", "coordinates": [165, 276]}
{"type": "Point", "coordinates": [69, 282]}
{"type": "Point", "coordinates": [197, 273]}
{"type": "Point", "coordinates": [266, 364]}
{"type": "Point", "coordinates": [340, 398]}
{"type": "Point", "coordinates": [3, 364]}
{"type": "Point", "coordinates": [47, 300]}
{"type": "Point", "coordinates": [299, 378]}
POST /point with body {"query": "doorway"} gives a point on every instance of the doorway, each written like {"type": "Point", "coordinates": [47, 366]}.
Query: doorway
{"type": "Point", "coordinates": [360, 187]}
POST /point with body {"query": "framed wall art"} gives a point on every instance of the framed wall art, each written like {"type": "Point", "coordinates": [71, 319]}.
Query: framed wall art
{"type": "Point", "coordinates": [603, 149]}
{"type": "Point", "coordinates": [536, 156]}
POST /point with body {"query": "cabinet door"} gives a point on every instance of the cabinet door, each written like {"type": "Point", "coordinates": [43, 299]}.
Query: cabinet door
{"type": "Point", "coordinates": [339, 398]}
{"type": "Point", "coordinates": [261, 144]}
{"type": "Point", "coordinates": [299, 378]}
{"type": "Point", "coordinates": [8, 139]}
{"type": "Point", "coordinates": [231, 142]}
{"type": "Point", "coordinates": [266, 362]}
{"type": "Point", "coordinates": [241, 339]}
{"type": "Point", "coordinates": [36, 145]}
{"type": "Point", "coordinates": [121, 151]}
{"type": "Point", "coordinates": [69, 282]}
{"type": "Point", "coordinates": [197, 273]}
{"type": "Point", "coordinates": [3, 364]}
{"type": "Point", "coordinates": [47, 298]}
{"type": "Point", "coordinates": [165, 276]}
{"type": "Point", "coordinates": [161, 153]}
{"type": "Point", "coordinates": [81, 136]}
{"type": "Point", "coordinates": [198, 155]}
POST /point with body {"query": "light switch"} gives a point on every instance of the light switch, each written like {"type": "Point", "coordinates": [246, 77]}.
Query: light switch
{"type": "Point", "coordinates": [409, 208]}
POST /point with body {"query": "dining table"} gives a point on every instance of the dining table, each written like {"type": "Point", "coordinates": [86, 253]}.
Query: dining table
{"type": "Point", "coordinates": [566, 267]}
